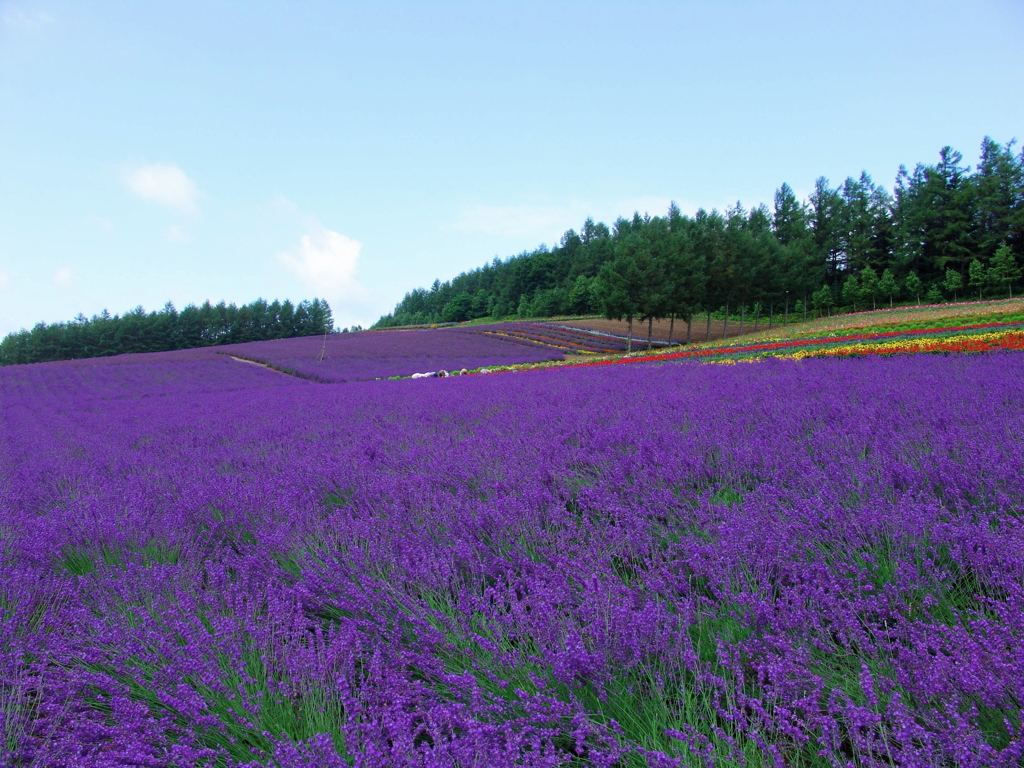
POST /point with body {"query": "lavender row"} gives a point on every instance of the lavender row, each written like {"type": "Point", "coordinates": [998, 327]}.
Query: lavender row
{"type": "Point", "coordinates": [564, 339]}
{"type": "Point", "coordinates": [133, 376]}
{"type": "Point", "coordinates": [814, 564]}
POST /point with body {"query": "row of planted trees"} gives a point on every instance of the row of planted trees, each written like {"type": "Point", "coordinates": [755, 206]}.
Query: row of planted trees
{"type": "Point", "coordinates": [675, 267]}
{"type": "Point", "coordinates": [945, 229]}
{"type": "Point", "coordinates": [165, 330]}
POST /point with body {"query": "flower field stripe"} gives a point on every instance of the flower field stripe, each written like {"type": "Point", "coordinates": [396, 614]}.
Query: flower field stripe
{"type": "Point", "coordinates": [830, 346]}
{"type": "Point", "coordinates": [953, 343]}
{"type": "Point", "coordinates": [545, 341]}
{"type": "Point", "coordinates": [588, 335]}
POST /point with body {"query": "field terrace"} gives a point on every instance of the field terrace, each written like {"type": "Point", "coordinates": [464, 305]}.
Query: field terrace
{"type": "Point", "coordinates": [368, 355]}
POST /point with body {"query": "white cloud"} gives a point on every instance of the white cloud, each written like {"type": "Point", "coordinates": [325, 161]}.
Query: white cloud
{"type": "Point", "coordinates": [326, 262]}
{"type": "Point", "coordinates": [175, 234]}
{"type": "Point", "coordinates": [5, 280]}
{"type": "Point", "coordinates": [162, 183]}
{"type": "Point", "coordinates": [20, 18]}
{"type": "Point", "coordinates": [63, 277]}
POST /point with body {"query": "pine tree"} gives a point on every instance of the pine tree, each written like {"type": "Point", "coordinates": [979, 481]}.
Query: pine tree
{"type": "Point", "coordinates": [888, 285]}
{"type": "Point", "coordinates": [913, 286]}
{"type": "Point", "coordinates": [851, 292]}
{"type": "Point", "coordinates": [999, 192]}
{"type": "Point", "coordinates": [953, 282]}
{"type": "Point", "coordinates": [869, 285]}
{"type": "Point", "coordinates": [977, 276]}
{"type": "Point", "coordinates": [1004, 268]}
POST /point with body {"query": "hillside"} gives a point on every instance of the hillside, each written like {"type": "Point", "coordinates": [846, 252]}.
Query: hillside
{"type": "Point", "coordinates": [942, 232]}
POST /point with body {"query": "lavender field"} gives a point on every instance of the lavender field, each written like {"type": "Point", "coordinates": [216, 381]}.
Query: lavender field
{"type": "Point", "coordinates": [174, 374]}
{"type": "Point", "coordinates": [379, 354]}
{"type": "Point", "coordinates": [820, 563]}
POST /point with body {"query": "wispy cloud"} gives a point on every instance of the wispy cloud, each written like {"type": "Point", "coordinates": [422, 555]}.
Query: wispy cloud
{"type": "Point", "coordinates": [162, 183]}
{"type": "Point", "coordinates": [63, 277]}
{"type": "Point", "coordinates": [5, 280]}
{"type": "Point", "coordinates": [16, 17]}
{"type": "Point", "coordinates": [326, 262]}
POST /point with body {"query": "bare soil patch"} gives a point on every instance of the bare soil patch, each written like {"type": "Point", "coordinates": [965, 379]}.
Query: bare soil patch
{"type": "Point", "coordinates": [261, 365]}
{"type": "Point", "coordinates": [661, 327]}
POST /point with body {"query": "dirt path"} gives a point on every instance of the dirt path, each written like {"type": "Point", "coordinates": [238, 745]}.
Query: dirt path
{"type": "Point", "coordinates": [262, 365]}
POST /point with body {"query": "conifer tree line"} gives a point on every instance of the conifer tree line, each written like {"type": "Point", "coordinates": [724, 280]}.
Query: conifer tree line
{"type": "Point", "coordinates": [167, 329]}
{"type": "Point", "coordinates": [944, 232]}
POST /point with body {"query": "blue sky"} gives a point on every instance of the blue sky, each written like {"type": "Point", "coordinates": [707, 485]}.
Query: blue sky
{"type": "Point", "coordinates": [203, 150]}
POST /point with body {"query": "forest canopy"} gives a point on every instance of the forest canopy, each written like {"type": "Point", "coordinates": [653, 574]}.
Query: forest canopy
{"type": "Point", "coordinates": [943, 230]}
{"type": "Point", "coordinates": [168, 329]}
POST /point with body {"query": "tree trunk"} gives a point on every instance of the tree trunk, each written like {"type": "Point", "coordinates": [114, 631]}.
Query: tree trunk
{"type": "Point", "coordinates": [671, 325]}
{"type": "Point", "coordinates": [771, 315]}
{"type": "Point", "coordinates": [689, 325]}
{"type": "Point", "coordinates": [805, 306]}
{"type": "Point", "coordinates": [757, 315]}
{"type": "Point", "coordinates": [629, 341]}
{"type": "Point", "coordinates": [725, 326]}
{"type": "Point", "coordinates": [786, 321]}
{"type": "Point", "coordinates": [890, 301]}
{"type": "Point", "coordinates": [708, 337]}
{"type": "Point", "coordinates": [743, 314]}
{"type": "Point", "coordinates": [650, 331]}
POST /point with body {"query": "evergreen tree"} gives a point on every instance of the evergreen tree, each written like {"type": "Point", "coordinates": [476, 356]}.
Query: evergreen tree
{"type": "Point", "coordinates": [458, 309]}
{"type": "Point", "coordinates": [851, 292]}
{"type": "Point", "coordinates": [790, 218]}
{"type": "Point", "coordinates": [868, 279]}
{"type": "Point", "coordinates": [857, 223]}
{"type": "Point", "coordinates": [621, 283]}
{"type": "Point", "coordinates": [826, 220]}
{"type": "Point", "coordinates": [999, 193]}
{"type": "Point", "coordinates": [977, 276]}
{"type": "Point", "coordinates": [913, 285]}
{"type": "Point", "coordinates": [822, 299]}
{"type": "Point", "coordinates": [888, 286]}
{"type": "Point", "coordinates": [684, 275]}
{"type": "Point", "coordinates": [580, 295]}
{"type": "Point", "coordinates": [710, 251]}
{"type": "Point", "coordinates": [953, 282]}
{"type": "Point", "coordinates": [1004, 268]}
